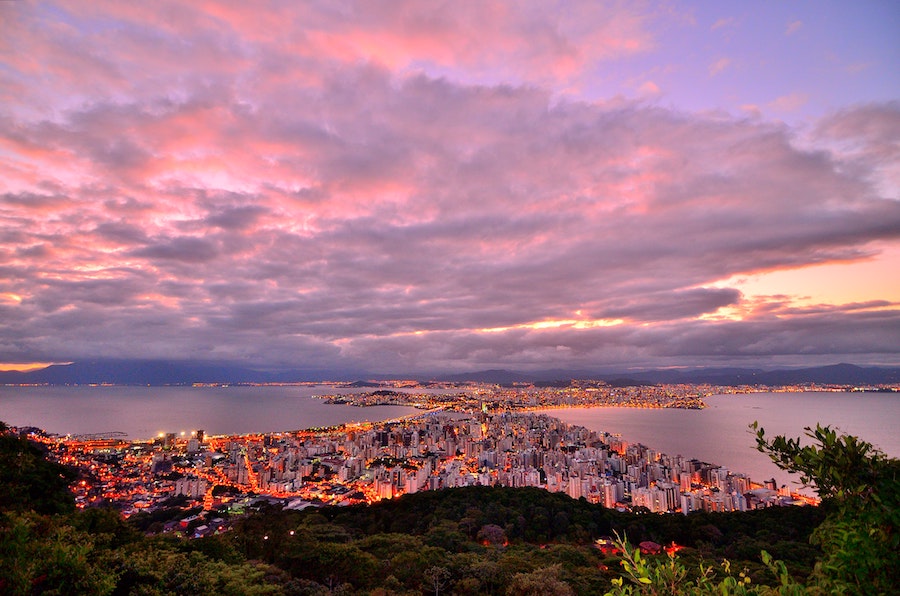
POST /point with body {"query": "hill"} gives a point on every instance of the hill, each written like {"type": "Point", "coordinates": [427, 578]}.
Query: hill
{"type": "Point", "coordinates": [161, 372]}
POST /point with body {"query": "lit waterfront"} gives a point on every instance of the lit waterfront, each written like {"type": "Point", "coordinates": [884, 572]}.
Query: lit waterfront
{"type": "Point", "coordinates": [144, 412]}
{"type": "Point", "coordinates": [657, 450]}
{"type": "Point", "coordinates": [366, 462]}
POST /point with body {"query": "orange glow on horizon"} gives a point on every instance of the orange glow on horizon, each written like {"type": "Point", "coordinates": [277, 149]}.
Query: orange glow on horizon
{"type": "Point", "coordinates": [836, 282]}
{"type": "Point", "coordinates": [26, 366]}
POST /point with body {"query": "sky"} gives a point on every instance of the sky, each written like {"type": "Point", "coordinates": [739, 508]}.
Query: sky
{"type": "Point", "coordinates": [400, 186]}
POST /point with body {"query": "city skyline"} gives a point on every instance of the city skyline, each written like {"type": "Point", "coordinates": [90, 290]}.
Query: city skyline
{"type": "Point", "coordinates": [403, 187]}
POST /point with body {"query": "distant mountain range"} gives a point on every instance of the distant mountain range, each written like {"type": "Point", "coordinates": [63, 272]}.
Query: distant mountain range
{"type": "Point", "coordinates": [131, 372]}
{"type": "Point", "coordinates": [155, 372]}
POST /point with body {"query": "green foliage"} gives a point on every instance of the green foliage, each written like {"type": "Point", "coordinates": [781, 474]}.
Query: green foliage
{"type": "Point", "coordinates": [667, 576]}
{"type": "Point", "coordinates": [525, 515]}
{"type": "Point", "coordinates": [436, 577]}
{"type": "Point", "coordinates": [171, 511]}
{"type": "Point", "coordinates": [28, 481]}
{"type": "Point", "coordinates": [45, 555]}
{"type": "Point", "coordinates": [840, 467]}
{"type": "Point", "coordinates": [861, 490]}
{"type": "Point", "coordinates": [447, 535]}
{"type": "Point", "coordinates": [158, 567]}
{"type": "Point", "coordinates": [106, 526]}
{"type": "Point", "coordinates": [97, 553]}
{"type": "Point", "coordinates": [541, 582]}
{"type": "Point", "coordinates": [441, 529]}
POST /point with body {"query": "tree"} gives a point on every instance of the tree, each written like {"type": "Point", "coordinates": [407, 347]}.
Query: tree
{"type": "Point", "coordinates": [541, 582]}
{"type": "Point", "coordinates": [158, 566]}
{"type": "Point", "coordinates": [43, 555]}
{"type": "Point", "coordinates": [28, 481]}
{"type": "Point", "coordinates": [860, 488]}
{"type": "Point", "coordinates": [492, 534]}
{"type": "Point", "coordinates": [669, 577]}
{"type": "Point", "coordinates": [436, 577]}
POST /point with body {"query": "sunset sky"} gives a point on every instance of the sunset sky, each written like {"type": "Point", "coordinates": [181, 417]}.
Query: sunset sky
{"type": "Point", "coordinates": [398, 186]}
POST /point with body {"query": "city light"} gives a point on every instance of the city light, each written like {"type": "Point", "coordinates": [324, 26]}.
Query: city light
{"type": "Point", "coordinates": [481, 435]}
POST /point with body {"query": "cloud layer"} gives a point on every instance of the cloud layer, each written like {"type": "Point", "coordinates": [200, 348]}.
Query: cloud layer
{"type": "Point", "coordinates": [380, 187]}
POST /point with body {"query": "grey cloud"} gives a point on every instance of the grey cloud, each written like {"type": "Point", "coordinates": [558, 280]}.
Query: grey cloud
{"type": "Point", "coordinates": [188, 249]}
{"type": "Point", "coordinates": [128, 205]}
{"type": "Point", "coordinates": [35, 251]}
{"type": "Point", "coordinates": [122, 232]}
{"type": "Point", "coordinates": [56, 294]}
{"type": "Point", "coordinates": [833, 335]}
{"type": "Point", "coordinates": [671, 306]}
{"type": "Point", "coordinates": [99, 132]}
{"type": "Point", "coordinates": [236, 218]}
{"type": "Point", "coordinates": [33, 200]}
{"type": "Point", "coordinates": [874, 126]}
{"type": "Point", "coordinates": [820, 334]}
{"type": "Point", "coordinates": [389, 205]}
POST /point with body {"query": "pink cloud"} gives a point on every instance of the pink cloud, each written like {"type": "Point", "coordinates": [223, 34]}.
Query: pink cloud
{"type": "Point", "coordinates": [521, 42]}
{"type": "Point", "coordinates": [723, 22]}
{"type": "Point", "coordinates": [719, 66]}
{"type": "Point", "coordinates": [307, 183]}
{"type": "Point", "coordinates": [649, 89]}
{"type": "Point", "coordinates": [789, 103]}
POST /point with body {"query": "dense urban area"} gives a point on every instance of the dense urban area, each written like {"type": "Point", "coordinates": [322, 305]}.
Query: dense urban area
{"type": "Point", "coordinates": [481, 435]}
{"type": "Point", "coordinates": [532, 505]}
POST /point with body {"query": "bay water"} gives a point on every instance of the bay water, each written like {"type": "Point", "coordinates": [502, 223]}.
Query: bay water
{"type": "Point", "coordinates": [144, 412]}
{"type": "Point", "coordinates": [718, 434]}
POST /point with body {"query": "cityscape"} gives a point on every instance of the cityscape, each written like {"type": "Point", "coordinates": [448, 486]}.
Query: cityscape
{"type": "Point", "coordinates": [272, 273]}
{"type": "Point", "coordinates": [482, 435]}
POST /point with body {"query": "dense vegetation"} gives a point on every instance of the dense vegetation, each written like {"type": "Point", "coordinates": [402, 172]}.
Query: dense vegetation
{"type": "Point", "coordinates": [478, 540]}
{"type": "Point", "coordinates": [28, 481]}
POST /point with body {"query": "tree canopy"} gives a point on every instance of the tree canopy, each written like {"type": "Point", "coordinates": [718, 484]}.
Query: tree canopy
{"type": "Point", "coordinates": [29, 481]}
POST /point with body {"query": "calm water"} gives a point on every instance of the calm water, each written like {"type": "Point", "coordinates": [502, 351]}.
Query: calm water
{"type": "Point", "coordinates": [144, 412]}
{"type": "Point", "coordinates": [719, 434]}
